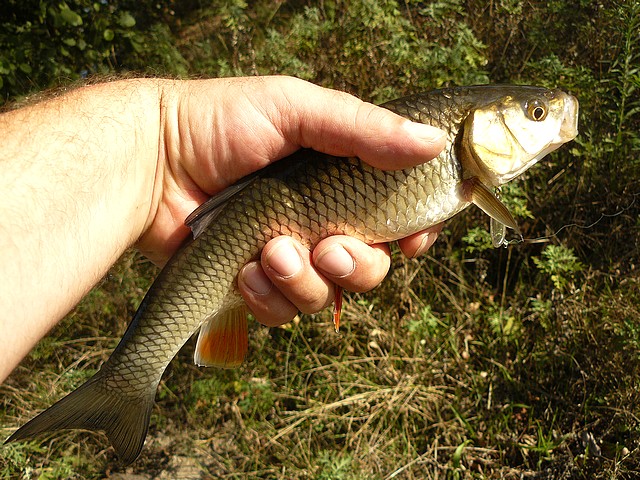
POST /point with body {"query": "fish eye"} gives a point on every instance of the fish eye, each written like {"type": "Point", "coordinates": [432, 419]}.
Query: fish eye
{"type": "Point", "coordinates": [536, 110]}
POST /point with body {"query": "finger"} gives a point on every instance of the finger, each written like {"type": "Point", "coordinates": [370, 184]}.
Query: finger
{"type": "Point", "coordinates": [268, 305]}
{"type": "Point", "coordinates": [352, 264]}
{"type": "Point", "coordinates": [418, 243]}
{"type": "Point", "coordinates": [288, 265]}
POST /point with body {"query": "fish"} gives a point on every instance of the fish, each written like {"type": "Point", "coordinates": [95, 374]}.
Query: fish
{"type": "Point", "coordinates": [494, 134]}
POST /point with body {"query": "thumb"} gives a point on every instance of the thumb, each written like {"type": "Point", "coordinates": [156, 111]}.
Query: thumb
{"type": "Point", "coordinates": [340, 124]}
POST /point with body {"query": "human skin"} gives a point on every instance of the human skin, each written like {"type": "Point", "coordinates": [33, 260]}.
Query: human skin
{"type": "Point", "coordinates": [90, 173]}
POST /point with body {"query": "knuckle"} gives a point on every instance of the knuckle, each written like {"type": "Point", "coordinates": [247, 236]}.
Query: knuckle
{"type": "Point", "coordinates": [314, 302]}
{"type": "Point", "coordinates": [273, 315]}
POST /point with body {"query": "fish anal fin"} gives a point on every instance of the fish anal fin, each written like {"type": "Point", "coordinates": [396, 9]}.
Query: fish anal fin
{"type": "Point", "coordinates": [474, 191]}
{"type": "Point", "coordinates": [223, 340]}
{"type": "Point", "coordinates": [92, 406]}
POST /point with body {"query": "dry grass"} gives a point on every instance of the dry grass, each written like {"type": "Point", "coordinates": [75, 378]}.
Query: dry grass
{"type": "Point", "coordinates": [469, 385]}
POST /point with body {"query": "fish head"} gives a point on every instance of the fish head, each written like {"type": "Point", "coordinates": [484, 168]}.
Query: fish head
{"type": "Point", "coordinates": [511, 133]}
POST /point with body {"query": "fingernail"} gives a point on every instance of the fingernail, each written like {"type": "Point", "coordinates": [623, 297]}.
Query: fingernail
{"type": "Point", "coordinates": [335, 261]}
{"type": "Point", "coordinates": [254, 277]}
{"type": "Point", "coordinates": [284, 259]}
{"type": "Point", "coordinates": [425, 244]}
{"type": "Point", "coordinates": [424, 131]}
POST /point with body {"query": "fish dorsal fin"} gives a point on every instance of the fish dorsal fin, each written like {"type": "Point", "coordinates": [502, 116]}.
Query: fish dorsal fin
{"type": "Point", "coordinates": [223, 339]}
{"type": "Point", "coordinates": [474, 191]}
{"type": "Point", "coordinates": [206, 213]}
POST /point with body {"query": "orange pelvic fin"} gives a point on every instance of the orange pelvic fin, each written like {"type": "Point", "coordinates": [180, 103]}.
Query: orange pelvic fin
{"type": "Point", "coordinates": [223, 340]}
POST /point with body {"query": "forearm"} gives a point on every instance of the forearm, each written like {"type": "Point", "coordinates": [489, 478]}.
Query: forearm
{"type": "Point", "coordinates": [77, 179]}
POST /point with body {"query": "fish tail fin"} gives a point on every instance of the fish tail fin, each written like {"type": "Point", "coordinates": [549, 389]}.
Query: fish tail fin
{"type": "Point", "coordinates": [124, 420]}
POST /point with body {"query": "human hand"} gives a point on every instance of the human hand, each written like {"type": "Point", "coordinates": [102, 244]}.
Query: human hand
{"type": "Point", "coordinates": [206, 146]}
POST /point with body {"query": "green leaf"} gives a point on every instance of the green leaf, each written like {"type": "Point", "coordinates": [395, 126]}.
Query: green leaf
{"type": "Point", "coordinates": [5, 68]}
{"type": "Point", "coordinates": [108, 35]}
{"type": "Point", "coordinates": [456, 458]}
{"type": "Point", "coordinates": [70, 17]}
{"type": "Point", "coordinates": [126, 20]}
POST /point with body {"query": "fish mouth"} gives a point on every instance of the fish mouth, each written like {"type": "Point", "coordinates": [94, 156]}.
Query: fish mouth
{"type": "Point", "coordinates": [569, 126]}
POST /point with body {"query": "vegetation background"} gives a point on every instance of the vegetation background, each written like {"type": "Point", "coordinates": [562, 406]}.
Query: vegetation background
{"type": "Point", "coordinates": [471, 362]}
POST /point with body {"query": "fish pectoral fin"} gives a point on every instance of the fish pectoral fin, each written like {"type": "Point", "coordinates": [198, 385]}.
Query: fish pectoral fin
{"type": "Point", "coordinates": [223, 339]}
{"type": "Point", "coordinates": [474, 191]}
{"type": "Point", "coordinates": [498, 233]}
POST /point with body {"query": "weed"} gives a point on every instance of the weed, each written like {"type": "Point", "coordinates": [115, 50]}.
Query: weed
{"type": "Point", "coordinates": [543, 444]}
{"type": "Point", "coordinates": [334, 467]}
{"type": "Point", "coordinates": [561, 265]}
